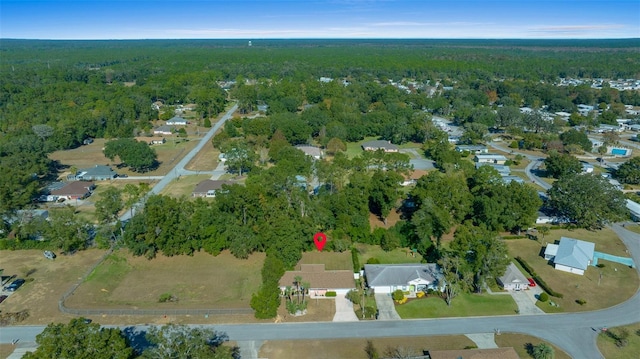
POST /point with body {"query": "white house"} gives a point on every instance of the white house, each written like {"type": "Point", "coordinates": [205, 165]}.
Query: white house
{"type": "Point", "coordinates": [513, 279]}
{"type": "Point", "coordinates": [176, 121]}
{"type": "Point", "coordinates": [490, 158]}
{"type": "Point", "coordinates": [162, 130]}
{"type": "Point", "coordinates": [475, 149]}
{"type": "Point", "coordinates": [386, 278]}
{"type": "Point", "coordinates": [570, 255]}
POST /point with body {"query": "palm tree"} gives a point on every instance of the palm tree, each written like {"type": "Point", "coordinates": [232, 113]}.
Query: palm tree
{"type": "Point", "coordinates": [297, 280]}
{"type": "Point", "coordinates": [543, 351]}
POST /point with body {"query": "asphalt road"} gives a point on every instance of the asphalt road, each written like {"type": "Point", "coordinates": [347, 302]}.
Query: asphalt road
{"type": "Point", "coordinates": [536, 161]}
{"type": "Point", "coordinates": [178, 169]}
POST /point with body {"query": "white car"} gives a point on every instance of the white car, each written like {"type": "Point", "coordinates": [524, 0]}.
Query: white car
{"type": "Point", "coordinates": [49, 255]}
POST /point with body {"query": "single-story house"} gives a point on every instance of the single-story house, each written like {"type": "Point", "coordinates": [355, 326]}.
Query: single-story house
{"type": "Point", "coordinates": [75, 190]}
{"type": "Point", "coordinates": [586, 167]}
{"type": "Point", "coordinates": [375, 145]}
{"type": "Point", "coordinates": [513, 279]}
{"type": "Point", "coordinates": [509, 179]}
{"type": "Point", "coordinates": [634, 209]}
{"type": "Point", "coordinates": [27, 215]}
{"type": "Point", "coordinates": [176, 121]}
{"type": "Point", "coordinates": [570, 255]}
{"type": "Point", "coordinates": [475, 149]}
{"type": "Point", "coordinates": [502, 169]}
{"type": "Point", "coordinates": [493, 353]}
{"type": "Point", "coordinates": [387, 278]}
{"type": "Point", "coordinates": [320, 280]}
{"type": "Point", "coordinates": [163, 130]}
{"type": "Point", "coordinates": [609, 128]}
{"type": "Point", "coordinates": [312, 151]}
{"type": "Point", "coordinates": [152, 140]}
{"type": "Point", "coordinates": [490, 158]}
{"type": "Point", "coordinates": [96, 173]}
{"type": "Point", "coordinates": [208, 188]}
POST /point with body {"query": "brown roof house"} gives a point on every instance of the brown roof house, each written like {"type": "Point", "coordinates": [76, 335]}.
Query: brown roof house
{"type": "Point", "coordinates": [320, 280]}
{"type": "Point", "coordinates": [75, 190]}
{"type": "Point", "coordinates": [375, 145]}
{"type": "Point", "coordinates": [494, 353]}
{"type": "Point", "coordinates": [208, 188]}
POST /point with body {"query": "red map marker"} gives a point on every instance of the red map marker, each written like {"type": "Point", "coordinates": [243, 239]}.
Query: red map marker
{"type": "Point", "coordinates": [320, 239]}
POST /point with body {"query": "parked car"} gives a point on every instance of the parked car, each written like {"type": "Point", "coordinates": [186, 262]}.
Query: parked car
{"type": "Point", "coordinates": [14, 285]}
{"type": "Point", "coordinates": [49, 255]}
{"type": "Point", "coordinates": [87, 320]}
{"type": "Point", "coordinates": [2, 298]}
{"type": "Point", "coordinates": [532, 283]}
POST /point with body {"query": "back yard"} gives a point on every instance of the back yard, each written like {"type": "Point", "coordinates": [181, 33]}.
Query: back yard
{"type": "Point", "coordinates": [596, 286]}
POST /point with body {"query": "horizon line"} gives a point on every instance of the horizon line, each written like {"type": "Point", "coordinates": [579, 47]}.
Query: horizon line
{"type": "Point", "coordinates": [328, 38]}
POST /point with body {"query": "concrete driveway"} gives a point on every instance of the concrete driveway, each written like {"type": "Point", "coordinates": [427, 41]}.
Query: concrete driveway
{"type": "Point", "coordinates": [387, 311]}
{"type": "Point", "coordinates": [526, 302]}
{"type": "Point", "coordinates": [344, 310]}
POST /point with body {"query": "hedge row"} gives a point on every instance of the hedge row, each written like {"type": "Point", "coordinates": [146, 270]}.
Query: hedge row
{"type": "Point", "coordinates": [330, 294]}
{"type": "Point", "coordinates": [355, 260]}
{"type": "Point", "coordinates": [14, 244]}
{"type": "Point", "coordinates": [538, 280]}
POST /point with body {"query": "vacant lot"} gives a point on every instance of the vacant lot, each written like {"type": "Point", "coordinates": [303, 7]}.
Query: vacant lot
{"type": "Point", "coordinates": [200, 281]}
{"type": "Point", "coordinates": [331, 260]}
{"type": "Point", "coordinates": [354, 348]}
{"type": "Point", "coordinates": [596, 286]}
{"type": "Point", "coordinates": [396, 256]}
{"type": "Point", "coordinates": [183, 186]}
{"type": "Point", "coordinates": [205, 160]}
{"type": "Point", "coordinates": [464, 305]}
{"type": "Point", "coordinates": [51, 278]}
{"type": "Point", "coordinates": [169, 154]}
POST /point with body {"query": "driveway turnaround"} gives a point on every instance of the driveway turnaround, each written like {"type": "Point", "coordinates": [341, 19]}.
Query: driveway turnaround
{"type": "Point", "coordinates": [387, 311]}
{"type": "Point", "coordinates": [344, 310]}
{"type": "Point", "coordinates": [483, 340]}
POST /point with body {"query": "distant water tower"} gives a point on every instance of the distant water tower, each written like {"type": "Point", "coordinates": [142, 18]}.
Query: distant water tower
{"type": "Point", "coordinates": [249, 43]}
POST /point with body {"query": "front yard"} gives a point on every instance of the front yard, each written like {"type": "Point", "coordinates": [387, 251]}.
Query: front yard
{"type": "Point", "coordinates": [598, 287]}
{"type": "Point", "coordinates": [464, 305]}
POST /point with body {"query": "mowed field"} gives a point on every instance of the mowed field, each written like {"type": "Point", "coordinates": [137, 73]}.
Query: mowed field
{"type": "Point", "coordinates": [51, 279]}
{"type": "Point", "coordinates": [201, 281]}
{"type": "Point", "coordinates": [595, 286]}
{"type": "Point", "coordinates": [355, 348]}
{"type": "Point", "coordinates": [85, 156]}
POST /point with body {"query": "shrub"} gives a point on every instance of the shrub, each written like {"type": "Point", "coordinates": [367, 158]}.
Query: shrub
{"type": "Point", "coordinates": [581, 301]}
{"type": "Point", "coordinates": [355, 260]}
{"type": "Point", "coordinates": [167, 297]}
{"type": "Point", "coordinates": [373, 260]}
{"type": "Point", "coordinates": [538, 280]}
{"type": "Point", "coordinates": [543, 297]}
{"type": "Point", "coordinates": [600, 265]}
{"type": "Point", "coordinates": [420, 294]}
{"type": "Point", "coordinates": [369, 312]}
{"type": "Point", "coordinates": [397, 295]}
{"type": "Point", "coordinates": [330, 294]}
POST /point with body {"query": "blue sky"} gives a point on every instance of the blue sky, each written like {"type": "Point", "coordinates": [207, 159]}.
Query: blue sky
{"type": "Point", "coordinates": [233, 19]}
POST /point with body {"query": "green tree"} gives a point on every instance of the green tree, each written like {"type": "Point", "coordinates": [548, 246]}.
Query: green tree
{"type": "Point", "coordinates": [629, 172]}
{"type": "Point", "coordinates": [575, 137]}
{"type": "Point", "coordinates": [543, 351]}
{"type": "Point", "coordinates": [180, 341]}
{"type": "Point", "coordinates": [240, 157]}
{"type": "Point", "coordinates": [383, 193]}
{"type": "Point", "coordinates": [139, 156]}
{"type": "Point", "coordinates": [109, 205]}
{"type": "Point", "coordinates": [560, 164]}
{"type": "Point", "coordinates": [588, 200]}
{"type": "Point", "coordinates": [78, 339]}
{"type": "Point", "coordinates": [67, 231]}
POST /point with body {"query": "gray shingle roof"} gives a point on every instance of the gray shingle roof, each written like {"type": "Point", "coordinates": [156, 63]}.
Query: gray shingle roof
{"type": "Point", "coordinates": [574, 253]}
{"type": "Point", "coordinates": [379, 275]}
{"type": "Point", "coordinates": [98, 170]}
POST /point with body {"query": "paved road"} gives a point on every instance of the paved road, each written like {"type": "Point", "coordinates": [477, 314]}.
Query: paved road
{"type": "Point", "coordinates": [178, 169]}
{"type": "Point", "coordinates": [535, 162]}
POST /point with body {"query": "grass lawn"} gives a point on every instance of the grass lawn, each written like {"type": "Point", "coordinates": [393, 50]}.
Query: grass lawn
{"type": "Point", "coordinates": [609, 349]}
{"type": "Point", "coordinates": [6, 350]}
{"type": "Point", "coordinates": [354, 348]}
{"type": "Point", "coordinates": [355, 148]}
{"type": "Point", "coordinates": [596, 286]}
{"type": "Point", "coordinates": [464, 305]}
{"type": "Point", "coordinates": [633, 228]}
{"type": "Point", "coordinates": [199, 281]}
{"type": "Point", "coordinates": [51, 279]}
{"type": "Point", "coordinates": [331, 260]}
{"type": "Point", "coordinates": [396, 256]}
{"type": "Point", "coordinates": [520, 342]}
{"type": "Point", "coordinates": [183, 186]}
{"type": "Point", "coordinates": [206, 159]}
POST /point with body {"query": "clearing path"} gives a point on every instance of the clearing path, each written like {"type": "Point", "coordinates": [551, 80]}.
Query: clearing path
{"type": "Point", "coordinates": [387, 311]}
{"type": "Point", "coordinates": [483, 340]}
{"type": "Point", "coordinates": [344, 310]}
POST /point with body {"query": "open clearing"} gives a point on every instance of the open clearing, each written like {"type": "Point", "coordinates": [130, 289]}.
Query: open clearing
{"type": "Point", "coordinates": [609, 349]}
{"type": "Point", "coordinates": [331, 260]}
{"type": "Point", "coordinates": [183, 186]}
{"type": "Point", "coordinates": [169, 154]}
{"type": "Point", "coordinates": [201, 281]}
{"type": "Point", "coordinates": [205, 160]}
{"type": "Point", "coordinates": [596, 286]}
{"type": "Point", "coordinates": [51, 279]}
{"type": "Point", "coordinates": [396, 256]}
